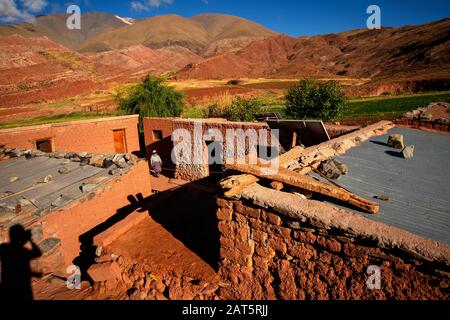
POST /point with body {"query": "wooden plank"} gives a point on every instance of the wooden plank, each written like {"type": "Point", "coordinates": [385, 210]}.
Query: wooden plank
{"type": "Point", "coordinates": [236, 184]}
{"type": "Point", "coordinates": [291, 178]}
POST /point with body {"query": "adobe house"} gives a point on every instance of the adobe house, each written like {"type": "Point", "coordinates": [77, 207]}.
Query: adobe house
{"type": "Point", "coordinates": [159, 135]}
{"type": "Point", "coordinates": [103, 135]}
{"type": "Point", "coordinates": [379, 232]}
{"type": "Point", "coordinates": [66, 198]}
{"type": "Point", "coordinates": [296, 235]}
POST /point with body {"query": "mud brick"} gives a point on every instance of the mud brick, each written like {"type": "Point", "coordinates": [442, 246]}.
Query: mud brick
{"type": "Point", "coordinates": [242, 232]}
{"type": "Point", "coordinates": [350, 250]}
{"type": "Point", "coordinates": [227, 229]}
{"type": "Point", "coordinates": [246, 247]}
{"type": "Point", "coordinates": [224, 214]}
{"type": "Point", "coordinates": [306, 237]}
{"type": "Point", "coordinates": [300, 251]}
{"type": "Point", "coordinates": [333, 245]}
{"type": "Point", "coordinates": [259, 225]}
{"type": "Point", "coordinates": [282, 232]}
{"type": "Point", "coordinates": [246, 210]}
{"type": "Point", "coordinates": [261, 262]}
{"type": "Point", "coordinates": [226, 243]}
{"type": "Point", "coordinates": [240, 218]}
{"type": "Point", "coordinates": [272, 218]}
{"type": "Point", "coordinates": [278, 245]}
{"type": "Point", "coordinates": [105, 271]}
{"type": "Point", "coordinates": [265, 252]}
{"type": "Point", "coordinates": [259, 236]}
{"type": "Point", "coordinates": [222, 203]}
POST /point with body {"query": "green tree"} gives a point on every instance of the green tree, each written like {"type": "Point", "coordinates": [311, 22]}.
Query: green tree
{"type": "Point", "coordinates": [240, 109]}
{"type": "Point", "coordinates": [313, 100]}
{"type": "Point", "coordinates": [151, 98]}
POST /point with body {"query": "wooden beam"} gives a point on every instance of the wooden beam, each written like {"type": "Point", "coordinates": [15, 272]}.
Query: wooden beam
{"type": "Point", "coordinates": [294, 179]}
{"type": "Point", "coordinates": [236, 184]}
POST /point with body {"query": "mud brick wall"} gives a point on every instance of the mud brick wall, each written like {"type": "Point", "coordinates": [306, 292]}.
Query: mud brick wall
{"type": "Point", "coordinates": [69, 223]}
{"type": "Point", "coordinates": [57, 234]}
{"type": "Point", "coordinates": [167, 126]}
{"type": "Point", "coordinates": [163, 146]}
{"type": "Point", "coordinates": [95, 136]}
{"type": "Point", "coordinates": [266, 255]}
{"type": "Point", "coordinates": [420, 124]}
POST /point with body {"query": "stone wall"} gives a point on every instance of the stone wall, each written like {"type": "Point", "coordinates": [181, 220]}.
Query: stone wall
{"type": "Point", "coordinates": [94, 136]}
{"type": "Point", "coordinates": [266, 254]}
{"type": "Point", "coordinates": [164, 146]}
{"type": "Point", "coordinates": [434, 117]}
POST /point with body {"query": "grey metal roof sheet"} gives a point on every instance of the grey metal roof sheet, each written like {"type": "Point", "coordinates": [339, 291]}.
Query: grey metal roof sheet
{"type": "Point", "coordinates": [418, 188]}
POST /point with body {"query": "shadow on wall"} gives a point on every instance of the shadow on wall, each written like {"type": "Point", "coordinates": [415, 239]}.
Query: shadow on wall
{"type": "Point", "coordinates": [87, 249]}
{"type": "Point", "coordinates": [187, 213]}
{"type": "Point", "coordinates": [16, 271]}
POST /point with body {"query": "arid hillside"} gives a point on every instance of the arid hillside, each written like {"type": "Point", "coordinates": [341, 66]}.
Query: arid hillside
{"type": "Point", "coordinates": [411, 52]}
{"type": "Point", "coordinates": [198, 34]}
{"type": "Point", "coordinates": [54, 27]}
{"type": "Point", "coordinates": [213, 47]}
{"type": "Point", "coordinates": [36, 70]}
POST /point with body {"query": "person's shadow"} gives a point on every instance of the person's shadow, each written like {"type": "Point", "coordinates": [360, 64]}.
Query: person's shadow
{"type": "Point", "coordinates": [15, 267]}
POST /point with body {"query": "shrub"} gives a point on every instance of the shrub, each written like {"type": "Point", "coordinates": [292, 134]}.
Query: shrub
{"type": "Point", "coordinates": [239, 109]}
{"type": "Point", "coordinates": [313, 100]}
{"type": "Point", "coordinates": [151, 98]}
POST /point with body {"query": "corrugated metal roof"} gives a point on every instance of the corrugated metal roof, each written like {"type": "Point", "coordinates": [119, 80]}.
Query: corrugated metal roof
{"type": "Point", "coordinates": [418, 188]}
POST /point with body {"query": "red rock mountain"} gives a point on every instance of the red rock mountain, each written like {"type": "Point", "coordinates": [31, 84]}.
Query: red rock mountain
{"type": "Point", "coordinates": [419, 52]}
{"type": "Point", "coordinates": [38, 69]}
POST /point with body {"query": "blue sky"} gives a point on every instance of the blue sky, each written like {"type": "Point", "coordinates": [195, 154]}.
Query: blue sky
{"type": "Point", "coordinates": [293, 17]}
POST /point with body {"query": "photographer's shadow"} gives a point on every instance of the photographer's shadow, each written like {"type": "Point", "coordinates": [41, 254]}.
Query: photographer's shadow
{"type": "Point", "coordinates": [16, 272]}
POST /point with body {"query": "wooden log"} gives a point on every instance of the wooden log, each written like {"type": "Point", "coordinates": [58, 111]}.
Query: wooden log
{"type": "Point", "coordinates": [236, 184]}
{"type": "Point", "coordinates": [291, 178]}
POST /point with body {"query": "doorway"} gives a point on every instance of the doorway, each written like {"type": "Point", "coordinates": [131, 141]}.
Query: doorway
{"type": "Point", "coordinates": [120, 142]}
{"type": "Point", "coordinates": [215, 160]}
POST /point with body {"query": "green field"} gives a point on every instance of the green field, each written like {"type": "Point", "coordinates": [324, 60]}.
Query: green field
{"type": "Point", "coordinates": [384, 107]}
{"type": "Point", "coordinates": [372, 109]}
{"type": "Point", "coordinates": [358, 110]}
{"type": "Point", "coordinates": [76, 116]}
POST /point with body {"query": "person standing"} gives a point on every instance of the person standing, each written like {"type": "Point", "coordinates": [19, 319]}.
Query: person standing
{"type": "Point", "coordinates": [156, 163]}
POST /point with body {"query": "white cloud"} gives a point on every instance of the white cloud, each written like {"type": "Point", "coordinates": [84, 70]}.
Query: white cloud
{"type": "Point", "coordinates": [158, 3]}
{"type": "Point", "coordinates": [147, 5]}
{"type": "Point", "coordinates": [138, 6]}
{"type": "Point", "coordinates": [10, 12]}
{"type": "Point", "coordinates": [34, 5]}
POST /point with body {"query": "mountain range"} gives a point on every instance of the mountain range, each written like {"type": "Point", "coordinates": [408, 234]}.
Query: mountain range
{"type": "Point", "coordinates": [111, 49]}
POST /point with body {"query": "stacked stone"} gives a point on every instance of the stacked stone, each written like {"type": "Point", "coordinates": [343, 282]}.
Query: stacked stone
{"type": "Point", "coordinates": [421, 118]}
{"type": "Point", "coordinates": [116, 275]}
{"type": "Point", "coordinates": [121, 161]}
{"type": "Point", "coordinates": [266, 255]}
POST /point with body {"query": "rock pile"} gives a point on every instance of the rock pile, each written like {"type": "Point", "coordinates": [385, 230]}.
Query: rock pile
{"type": "Point", "coordinates": [115, 274]}
{"type": "Point", "coordinates": [428, 113]}
{"type": "Point", "coordinates": [333, 169]}
{"type": "Point", "coordinates": [119, 161]}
